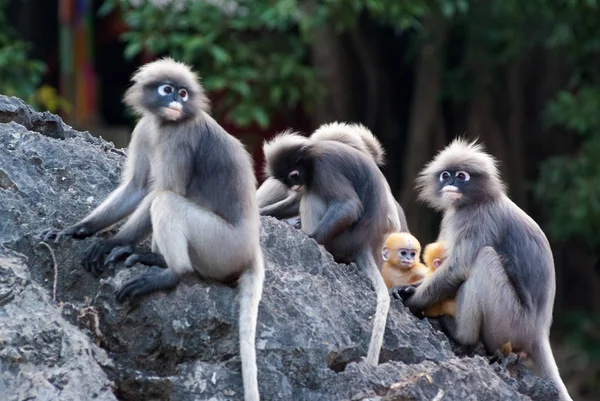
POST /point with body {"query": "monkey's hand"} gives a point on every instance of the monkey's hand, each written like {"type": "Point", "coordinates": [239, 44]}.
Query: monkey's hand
{"type": "Point", "coordinates": [405, 292]}
{"type": "Point", "coordinates": [94, 259]}
{"type": "Point", "coordinates": [77, 231]}
{"type": "Point", "coordinates": [119, 252]}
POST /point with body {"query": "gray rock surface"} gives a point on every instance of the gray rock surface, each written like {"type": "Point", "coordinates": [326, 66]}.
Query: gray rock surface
{"type": "Point", "coordinates": [314, 320]}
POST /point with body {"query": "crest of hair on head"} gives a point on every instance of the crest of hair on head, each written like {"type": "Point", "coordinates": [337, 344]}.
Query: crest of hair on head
{"type": "Point", "coordinates": [278, 145]}
{"type": "Point", "coordinates": [356, 135]}
{"type": "Point", "coordinates": [460, 154]}
{"type": "Point", "coordinates": [161, 70]}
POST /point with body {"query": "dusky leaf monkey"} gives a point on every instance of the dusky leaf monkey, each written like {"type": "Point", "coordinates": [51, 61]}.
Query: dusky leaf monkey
{"type": "Point", "coordinates": [277, 200]}
{"type": "Point", "coordinates": [344, 207]}
{"type": "Point", "coordinates": [499, 262]}
{"type": "Point", "coordinates": [402, 265]}
{"type": "Point", "coordinates": [192, 185]}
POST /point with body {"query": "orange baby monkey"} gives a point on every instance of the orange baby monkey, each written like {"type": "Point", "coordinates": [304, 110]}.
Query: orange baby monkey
{"type": "Point", "coordinates": [402, 263]}
{"type": "Point", "coordinates": [402, 266]}
{"type": "Point", "coordinates": [433, 256]}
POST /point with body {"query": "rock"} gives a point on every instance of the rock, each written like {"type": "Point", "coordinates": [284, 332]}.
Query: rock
{"type": "Point", "coordinates": [314, 320]}
{"type": "Point", "coordinates": [42, 356]}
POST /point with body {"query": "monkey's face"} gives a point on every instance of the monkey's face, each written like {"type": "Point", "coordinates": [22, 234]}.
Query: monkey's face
{"type": "Point", "coordinates": [454, 186]}
{"type": "Point", "coordinates": [401, 257]}
{"type": "Point", "coordinates": [295, 179]}
{"type": "Point", "coordinates": [168, 100]}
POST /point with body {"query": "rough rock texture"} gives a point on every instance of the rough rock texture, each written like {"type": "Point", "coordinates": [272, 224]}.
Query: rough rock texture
{"type": "Point", "coordinates": [314, 320]}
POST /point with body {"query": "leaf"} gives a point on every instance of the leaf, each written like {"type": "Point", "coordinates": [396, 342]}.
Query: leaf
{"type": "Point", "coordinates": [261, 117]}
{"type": "Point", "coordinates": [220, 55]}
{"type": "Point", "coordinates": [132, 49]}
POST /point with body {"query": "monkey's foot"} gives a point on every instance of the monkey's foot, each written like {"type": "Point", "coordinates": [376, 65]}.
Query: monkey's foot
{"type": "Point", "coordinates": [93, 261]}
{"type": "Point", "coordinates": [155, 279]}
{"type": "Point", "coordinates": [118, 253]}
{"type": "Point", "coordinates": [146, 258]}
{"type": "Point", "coordinates": [75, 232]}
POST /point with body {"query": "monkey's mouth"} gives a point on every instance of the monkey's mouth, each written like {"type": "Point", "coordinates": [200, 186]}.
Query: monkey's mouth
{"type": "Point", "coordinates": [172, 111]}
{"type": "Point", "coordinates": [297, 188]}
{"type": "Point", "coordinates": [406, 264]}
{"type": "Point", "coordinates": [451, 192]}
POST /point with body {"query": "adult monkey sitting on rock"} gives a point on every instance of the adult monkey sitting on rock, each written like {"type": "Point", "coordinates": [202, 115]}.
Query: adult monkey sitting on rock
{"type": "Point", "coordinates": [499, 263]}
{"type": "Point", "coordinates": [192, 185]}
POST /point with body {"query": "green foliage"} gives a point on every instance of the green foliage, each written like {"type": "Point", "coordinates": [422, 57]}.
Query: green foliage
{"type": "Point", "coordinates": [569, 185]}
{"type": "Point", "coordinates": [20, 75]}
{"type": "Point", "coordinates": [584, 332]}
{"type": "Point", "coordinates": [257, 51]}
{"type": "Point", "coordinates": [250, 51]}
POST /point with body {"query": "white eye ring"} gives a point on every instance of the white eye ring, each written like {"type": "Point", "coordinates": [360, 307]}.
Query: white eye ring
{"type": "Point", "coordinates": [183, 97]}
{"type": "Point", "coordinates": [165, 90]}
{"type": "Point", "coordinates": [444, 176]}
{"type": "Point", "coordinates": [467, 176]}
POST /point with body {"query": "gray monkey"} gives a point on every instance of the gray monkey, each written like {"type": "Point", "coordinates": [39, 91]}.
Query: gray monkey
{"type": "Point", "coordinates": [344, 207]}
{"type": "Point", "coordinates": [192, 185]}
{"type": "Point", "coordinates": [277, 200]}
{"type": "Point", "coordinates": [499, 264]}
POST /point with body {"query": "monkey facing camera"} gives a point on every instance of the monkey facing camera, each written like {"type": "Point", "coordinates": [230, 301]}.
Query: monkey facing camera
{"type": "Point", "coordinates": [192, 186]}
{"type": "Point", "coordinates": [499, 264]}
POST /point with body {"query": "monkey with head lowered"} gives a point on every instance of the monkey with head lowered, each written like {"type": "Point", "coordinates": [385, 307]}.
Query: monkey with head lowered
{"type": "Point", "coordinates": [499, 264]}
{"type": "Point", "coordinates": [344, 207]}
{"type": "Point", "coordinates": [192, 185]}
{"type": "Point", "coordinates": [402, 265]}
{"type": "Point", "coordinates": [277, 200]}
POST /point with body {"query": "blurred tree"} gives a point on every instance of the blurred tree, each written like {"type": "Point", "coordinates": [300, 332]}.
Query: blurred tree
{"type": "Point", "coordinates": [471, 62]}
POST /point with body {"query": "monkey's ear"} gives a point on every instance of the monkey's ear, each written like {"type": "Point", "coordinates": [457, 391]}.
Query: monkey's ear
{"type": "Point", "coordinates": [385, 254]}
{"type": "Point", "coordinates": [437, 262]}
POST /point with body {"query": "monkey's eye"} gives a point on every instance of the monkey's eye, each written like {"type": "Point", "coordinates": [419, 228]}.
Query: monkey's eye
{"type": "Point", "coordinates": [444, 176]}
{"type": "Point", "coordinates": [183, 95]}
{"type": "Point", "coordinates": [412, 254]}
{"type": "Point", "coordinates": [403, 253]}
{"type": "Point", "coordinates": [462, 176]}
{"type": "Point", "coordinates": [164, 90]}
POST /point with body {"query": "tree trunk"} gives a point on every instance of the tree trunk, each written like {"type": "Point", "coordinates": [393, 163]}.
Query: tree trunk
{"type": "Point", "coordinates": [518, 176]}
{"type": "Point", "coordinates": [329, 58]}
{"type": "Point", "coordinates": [424, 119]}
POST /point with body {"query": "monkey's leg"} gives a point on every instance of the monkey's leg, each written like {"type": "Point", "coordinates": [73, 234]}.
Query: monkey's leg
{"type": "Point", "coordinates": [178, 224]}
{"type": "Point", "coordinates": [487, 293]}
{"type": "Point", "coordinates": [366, 262]}
{"type": "Point", "coordinates": [283, 209]}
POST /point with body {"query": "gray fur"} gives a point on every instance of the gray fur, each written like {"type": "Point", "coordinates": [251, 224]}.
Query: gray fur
{"type": "Point", "coordinates": [276, 200]}
{"type": "Point", "coordinates": [192, 185]}
{"type": "Point", "coordinates": [499, 263]}
{"type": "Point", "coordinates": [344, 207]}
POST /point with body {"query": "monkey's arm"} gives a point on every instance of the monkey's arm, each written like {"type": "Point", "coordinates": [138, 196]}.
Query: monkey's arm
{"type": "Point", "coordinates": [441, 285]}
{"type": "Point", "coordinates": [121, 202]}
{"type": "Point", "coordinates": [339, 216]}
{"type": "Point", "coordinates": [283, 209]}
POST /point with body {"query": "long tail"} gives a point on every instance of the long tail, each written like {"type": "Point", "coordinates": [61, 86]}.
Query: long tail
{"type": "Point", "coordinates": [367, 263]}
{"type": "Point", "coordinates": [543, 359]}
{"type": "Point", "coordinates": [251, 287]}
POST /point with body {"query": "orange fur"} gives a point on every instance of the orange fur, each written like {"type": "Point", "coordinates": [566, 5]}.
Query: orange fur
{"type": "Point", "coordinates": [433, 251]}
{"type": "Point", "coordinates": [392, 271]}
